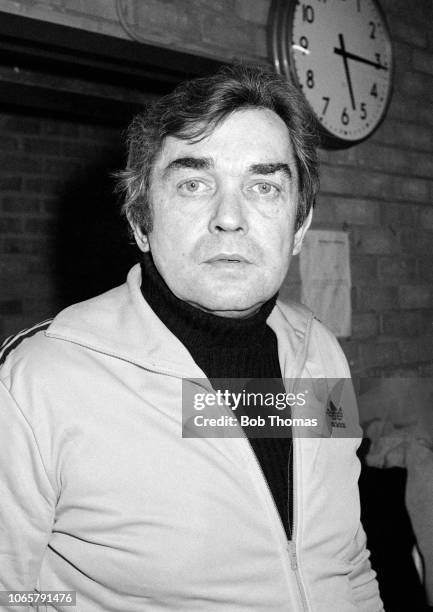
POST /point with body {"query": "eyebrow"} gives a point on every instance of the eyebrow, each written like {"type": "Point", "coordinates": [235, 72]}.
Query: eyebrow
{"type": "Point", "coordinates": [205, 163]}
{"type": "Point", "coordinates": [271, 168]}
{"type": "Point", "coordinates": [196, 163]}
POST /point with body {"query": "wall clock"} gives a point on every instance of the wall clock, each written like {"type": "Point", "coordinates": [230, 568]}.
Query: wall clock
{"type": "Point", "coordinates": [339, 53]}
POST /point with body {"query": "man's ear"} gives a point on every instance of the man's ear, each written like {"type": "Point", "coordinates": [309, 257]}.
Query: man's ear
{"type": "Point", "coordinates": [300, 233]}
{"type": "Point", "coordinates": [140, 237]}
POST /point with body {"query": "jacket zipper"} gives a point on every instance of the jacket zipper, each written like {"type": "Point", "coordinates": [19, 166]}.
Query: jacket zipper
{"type": "Point", "coordinates": [291, 546]}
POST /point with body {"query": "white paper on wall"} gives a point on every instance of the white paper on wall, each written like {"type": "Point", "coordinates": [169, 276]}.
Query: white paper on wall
{"type": "Point", "coordinates": [325, 276]}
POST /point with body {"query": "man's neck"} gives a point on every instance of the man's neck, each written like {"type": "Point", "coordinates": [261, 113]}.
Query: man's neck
{"type": "Point", "coordinates": [190, 323]}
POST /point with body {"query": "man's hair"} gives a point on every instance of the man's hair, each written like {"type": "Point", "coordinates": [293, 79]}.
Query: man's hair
{"type": "Point", "coordinates": [195, 108]}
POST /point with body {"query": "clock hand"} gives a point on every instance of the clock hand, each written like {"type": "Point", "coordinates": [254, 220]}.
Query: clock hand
{"type": "Point", "coordinates": [346, 69]}
{"type": "Point", "coordinates": [358, 58]}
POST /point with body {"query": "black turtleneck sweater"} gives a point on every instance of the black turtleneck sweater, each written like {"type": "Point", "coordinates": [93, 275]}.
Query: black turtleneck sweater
{"type": "Point", "coordinates": [225, 349]}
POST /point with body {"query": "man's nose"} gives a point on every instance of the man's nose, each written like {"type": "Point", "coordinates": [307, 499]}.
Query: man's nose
{"type": "Point", "coordinates": [229, 214]}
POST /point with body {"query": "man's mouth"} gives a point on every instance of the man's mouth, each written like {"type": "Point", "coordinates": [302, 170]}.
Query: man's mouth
{"type": "Point", "coordinates": [227, 258]}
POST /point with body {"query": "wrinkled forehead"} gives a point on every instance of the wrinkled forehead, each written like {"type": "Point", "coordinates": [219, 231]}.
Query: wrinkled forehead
{"type": "Point", "coordinates": [245, 137]}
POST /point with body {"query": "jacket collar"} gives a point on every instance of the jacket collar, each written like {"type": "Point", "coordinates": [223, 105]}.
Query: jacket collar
{"type": "Point", "coordinates": [120, 323]}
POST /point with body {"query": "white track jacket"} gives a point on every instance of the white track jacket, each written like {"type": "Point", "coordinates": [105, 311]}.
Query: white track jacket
{"type": "Point", "coordinates": [100, 494]}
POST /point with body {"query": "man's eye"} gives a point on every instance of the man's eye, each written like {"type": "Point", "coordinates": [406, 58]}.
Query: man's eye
{"type": "Point", "coordinates": [192, 186]}
{"type": "Point", "coordinates": [265, 189]}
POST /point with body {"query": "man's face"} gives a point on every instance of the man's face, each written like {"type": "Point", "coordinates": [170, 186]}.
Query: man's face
{"type": "Point", "coordinates": [224, 213]}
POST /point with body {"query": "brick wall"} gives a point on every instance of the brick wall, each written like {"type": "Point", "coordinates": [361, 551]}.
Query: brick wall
{"type": "Point", "coordinates": [381, 191]}
{"type": "Point", "coordinates": [223, 29]}
{"type": "Point", "coordinates": [60, 236]}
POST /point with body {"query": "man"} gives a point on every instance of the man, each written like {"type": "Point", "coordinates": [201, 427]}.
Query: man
{"type": "Point", "coordinates": [101, 493]}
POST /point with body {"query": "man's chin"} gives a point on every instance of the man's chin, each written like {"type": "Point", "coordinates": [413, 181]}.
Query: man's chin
{"type": "Point", "coordinates": [236, 314]}
{"type": "Point", "coordinates": [239, 308]}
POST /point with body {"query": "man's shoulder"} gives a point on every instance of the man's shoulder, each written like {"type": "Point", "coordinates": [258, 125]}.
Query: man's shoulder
{"type": "Point", "coordinates": [297, 315]}
{"type": "Point", "coordinates": [304, 322]}
{"type": "Point", "coordinates": [326, 345]}
{"type": "Point", "coordinates": [320, 343]}
{"type": "Point", "coordinates": [25, 337]}
{"type": "Point", "coordinates": [34, 344]}
{"type": "Point", "coordinates": [92, 314]}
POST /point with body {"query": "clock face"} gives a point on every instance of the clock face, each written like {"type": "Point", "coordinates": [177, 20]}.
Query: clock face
{"type": "Point", "coordinates": [339, 54]}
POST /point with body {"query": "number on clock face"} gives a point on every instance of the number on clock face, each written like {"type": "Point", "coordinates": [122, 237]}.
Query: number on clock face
{"type": "Point", "coordinates": [341, 58]}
